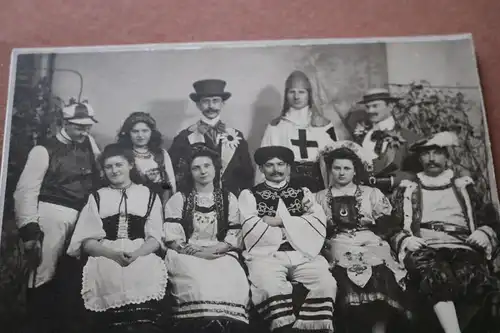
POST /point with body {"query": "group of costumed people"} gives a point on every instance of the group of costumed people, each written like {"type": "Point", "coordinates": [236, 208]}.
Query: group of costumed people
{"type": "Point", "coordinates": [199, 234]}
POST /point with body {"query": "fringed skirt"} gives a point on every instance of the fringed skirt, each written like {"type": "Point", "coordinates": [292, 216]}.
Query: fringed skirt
{"type": "Point", "coordinates": [450, 274]}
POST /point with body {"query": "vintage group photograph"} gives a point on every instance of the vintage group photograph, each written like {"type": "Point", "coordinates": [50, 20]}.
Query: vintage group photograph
{"type": "Point", "coordinates": [278, 186]}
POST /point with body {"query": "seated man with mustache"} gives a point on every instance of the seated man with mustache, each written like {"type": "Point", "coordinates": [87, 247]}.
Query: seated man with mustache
{"type": "Point", "coordinates": [284, 229]}
{"type": "Point", "coordinates": [448, 235]}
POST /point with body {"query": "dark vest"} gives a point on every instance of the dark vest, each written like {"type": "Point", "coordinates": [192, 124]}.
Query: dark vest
{"type": "Point", "coordinates": [267, 199]}
{"type": "Point", "coordinates": [222, 220]}
{"type": "Point", "coordinates": [72, 173]}
{"type": "Point", "coordinates": [135, 223]}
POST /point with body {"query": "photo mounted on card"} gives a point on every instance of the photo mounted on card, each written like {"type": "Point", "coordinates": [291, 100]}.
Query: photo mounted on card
{"type": "Point", "coordinates": [274, 186]}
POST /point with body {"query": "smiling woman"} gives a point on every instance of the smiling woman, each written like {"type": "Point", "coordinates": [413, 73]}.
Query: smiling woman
{"type": "Point", "coordinates": [118, 233]}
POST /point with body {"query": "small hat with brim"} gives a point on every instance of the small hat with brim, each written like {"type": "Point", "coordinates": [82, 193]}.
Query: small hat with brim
{"type": "Point", "coordinates": [80, 114]}
{"type": "Point", "coordinates": [377, 94]}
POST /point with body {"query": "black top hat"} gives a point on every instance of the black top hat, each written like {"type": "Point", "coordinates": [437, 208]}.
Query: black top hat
{"type": "Point", "coordinates": [377, 94]}
{"type": "Point", "coordinates": [208, 88]}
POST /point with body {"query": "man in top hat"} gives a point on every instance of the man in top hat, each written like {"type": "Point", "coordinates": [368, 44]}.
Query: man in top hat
{"type": "Point", "coordinates": [386, 142]}
{"type": "Point", "coordinates": [284, 229]}
{"type": "Point", "coordinates": [52, 189]}
{"type": "Point", "coordinates": [303, 129]}
{"type": "Point", "coordinates": [237, 171]}
{"type": "Point", "coordinates": [448, 234]}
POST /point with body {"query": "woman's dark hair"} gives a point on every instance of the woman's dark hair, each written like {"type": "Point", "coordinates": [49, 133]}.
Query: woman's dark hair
{"type": "Point", "coordinates": [200, 150]}
{"type": "Point", "coordinates": [156, 140]}
{"type": "Point", "coordinates": [347, 154]}
{"type": "Point", "coordinates": [116, 149]}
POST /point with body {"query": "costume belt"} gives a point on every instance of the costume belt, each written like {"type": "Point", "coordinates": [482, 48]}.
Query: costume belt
{"type": "Point", "coordinates": [445, 227]}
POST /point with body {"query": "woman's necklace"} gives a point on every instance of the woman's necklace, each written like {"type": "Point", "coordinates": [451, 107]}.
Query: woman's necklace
{"type": "Point", "coordinates": [345, 190]}
{"type": "Point", "coordinates": [142, 154]}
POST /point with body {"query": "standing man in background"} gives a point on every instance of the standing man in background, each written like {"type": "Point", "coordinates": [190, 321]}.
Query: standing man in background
{"type": "Point", "coordinates": [237, 172]}
{"type": "Point", "coordinates": [52, 189]}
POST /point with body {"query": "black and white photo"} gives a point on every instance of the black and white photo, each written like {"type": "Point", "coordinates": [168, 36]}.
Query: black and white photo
{"type": "Point", "coordinates": [324, 185]}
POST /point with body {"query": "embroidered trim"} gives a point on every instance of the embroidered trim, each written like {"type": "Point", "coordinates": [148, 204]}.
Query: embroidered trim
{"type": "Point", "coordinates": [410, 188]}
{"type": "Point", "coordinates": [97, 303]}
{"type": "Point", "coordinates": [461, 184]}
{"type": "Point", "coordinates": [358, 193]}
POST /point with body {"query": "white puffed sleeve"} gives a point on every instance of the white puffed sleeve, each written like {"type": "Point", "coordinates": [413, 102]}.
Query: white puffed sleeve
{"type": "Point", "coordinates": [88, 226]}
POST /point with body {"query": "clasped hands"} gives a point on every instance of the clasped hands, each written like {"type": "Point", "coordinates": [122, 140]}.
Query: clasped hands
{"type": "Point", "coordinates": [124, 258]}
{"type": "Point", "coordinates": [205, 252]}
{"type": "Point", "coordinates": [276, 221]}
{"type": "Point", "coordinates": [477, 238]}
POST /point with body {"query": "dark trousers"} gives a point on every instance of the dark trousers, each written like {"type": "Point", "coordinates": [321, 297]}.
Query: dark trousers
{"type": "Point", "coordinates": [57, 306]}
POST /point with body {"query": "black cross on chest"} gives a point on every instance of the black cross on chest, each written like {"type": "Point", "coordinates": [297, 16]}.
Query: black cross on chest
{"type": "Point", "coordinates": [303, 144]}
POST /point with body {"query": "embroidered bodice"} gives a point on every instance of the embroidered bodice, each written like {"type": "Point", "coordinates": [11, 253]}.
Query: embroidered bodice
{"type": "Point", "coordinates": [267, 199]}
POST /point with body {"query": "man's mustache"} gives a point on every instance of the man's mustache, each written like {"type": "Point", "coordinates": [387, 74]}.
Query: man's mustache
{"type": "Point", "coordinates": [277, 173]}
{"type": "Point", "coordinates": [212, 110]}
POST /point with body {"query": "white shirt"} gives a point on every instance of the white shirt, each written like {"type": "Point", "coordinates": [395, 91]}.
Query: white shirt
{"type": "Point", "coordinates": [300, 117]}
{"type": "Point", "coordinates": [385, 125]}
{"type": "Point", "coordinates": [210, 122]}
{"type": "Point", "coordinates": [441, 205]}
{"type": "Point", "coordinates": [30, 182]}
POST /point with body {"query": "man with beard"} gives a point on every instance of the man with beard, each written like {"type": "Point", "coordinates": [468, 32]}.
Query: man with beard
{"type": "Point", "coordinates": [448, 234]}
{"type": "Point", "coordinates": [53, 188]}
{"type": "Point", "coordinates": [384, 139]}
{"type": "Point", "coordinates": [237, 171]}
{"type": "Point", "coordinates": [284, 230]}
{"type": "Point", "coordinates": [303, 129]}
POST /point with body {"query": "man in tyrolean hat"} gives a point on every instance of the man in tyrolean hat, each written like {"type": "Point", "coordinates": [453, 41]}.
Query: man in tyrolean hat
{"type": "Point", "coordinates": [386, 141]}
{"type": "Point", "coordinates": [237, 171]}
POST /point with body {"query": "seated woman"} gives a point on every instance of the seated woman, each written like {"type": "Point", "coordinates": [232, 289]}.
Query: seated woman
{"type": "Point", "coordinates": [203, 234]}
{"type": "Point", "coordinates": [139, 133]}
{"type": "Point", "coordinates": [119, 230]}
{"type": "Point", "coordinates": [359, 220]}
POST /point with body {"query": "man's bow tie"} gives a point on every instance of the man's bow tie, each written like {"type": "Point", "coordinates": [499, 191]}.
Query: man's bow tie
{"type": "Point", "coordinates": [219, 127]}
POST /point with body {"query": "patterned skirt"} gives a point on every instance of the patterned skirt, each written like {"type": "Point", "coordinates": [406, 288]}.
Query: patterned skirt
{"type": "Point", "coordinates": [381, 293]}
{"type": "Point", "coordinates": [144, 317]}
{"type": "Point", "coordinates": [449, 274]}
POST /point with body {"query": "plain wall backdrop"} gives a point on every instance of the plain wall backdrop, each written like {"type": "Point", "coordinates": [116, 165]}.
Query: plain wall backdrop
{"type": "Point", "coordinates": [159, 82]}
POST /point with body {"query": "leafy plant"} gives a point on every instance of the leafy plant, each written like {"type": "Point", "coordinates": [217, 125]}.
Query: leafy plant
{"type": "Point", "coordinates": [427, 110]}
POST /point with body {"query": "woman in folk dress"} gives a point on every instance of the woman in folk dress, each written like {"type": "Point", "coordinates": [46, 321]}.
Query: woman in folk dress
{"type": "Point", "coordinates": [360, 220]}
{"type": "Point", "coordinates": [118, 233]}
{"type": "Point", "coordinates": [203, 235]}
{"type": "Point", "coordinates": [140, 134]}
